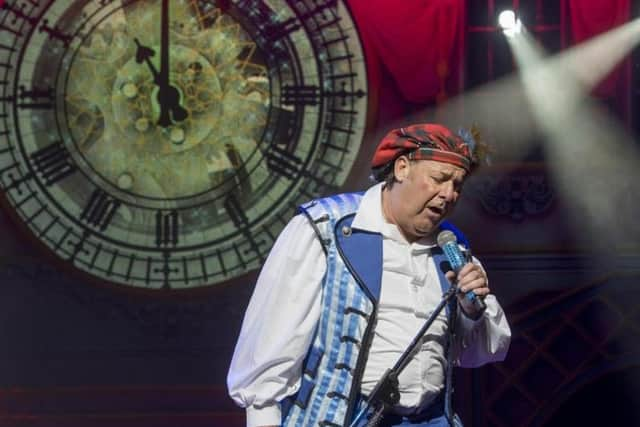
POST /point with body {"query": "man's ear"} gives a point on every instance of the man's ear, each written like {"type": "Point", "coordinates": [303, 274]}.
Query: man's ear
{"type": "Point", "coordinates": [401, 168]}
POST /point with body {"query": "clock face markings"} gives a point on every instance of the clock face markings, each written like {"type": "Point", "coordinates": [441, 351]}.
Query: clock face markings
{"type": "Point", "coordinates": [166, 270]}
{"type": "Point", "coordinates": [272, 32]}
{"type": "Point", "coordinates": [239, 256]}
{"type": "Point", "coordinates": [346, 95]}
{"type": "Point", "coordinates": [55, 33]}
{"type": "Point", "coordinates": [25, 200]}
{"type": "Point", "coordinates": [6, 48]}
{"type": "Point", "coordinates": [268, 232]}
{"type": "Point", "coordinates": [132, 260]}
{"type": "Point", "coordinates": [347, 57]}
{"type": "Point", "coordinates": [275, 99]}
{"type": "Point", "coordinates": [148, 273]}
{"type": "Point", "coordinates": [283, 162]}
{"type": "Point", "coordinates": [185, 271]}
{"type": "Point", "coordinates": [203, 266]}
{"type": "Point", "coordinates": [40, 98]}
{"type": "Point", "coordinates": [5, 64]}
{"type": "Point", "coordinates": [63, 238]}
{"type": "Point", "coordinates": [167, 228]}
{"type": "Point", "coordinates": [12, 181]}
{"type": "Point", "coordinates": [235, 212]}
{"type": "Point", "coordinates": [112, 263]}
{"type": "Point", "coordinates": [18, 15]}
{"type": "Point", "coordinates": [241, 221]}
{"type": "Point", "coordinates": [94, 258]}
{"type": "Point", "coordinates": [320, 182]}
{"type": "Point", "coordinates": [4, 27]}
{"type": "Point", "coordinates": [276, 32]}
{"type": "Point", "coordinates": [53, 163]}
{"type": "Point", "coordinates": [300, 95]}
{"type": "Point", "coordinates": [340, 129]}
{"type": "Point", "coordinates": [339, 111]}
{"type": "Point", "coordinates": [48, 227]}
{"type": "Point", "coordinates": [100, 209]}
{"type": "Point", "coordinates": [29, 219]}
{"type": "Point", "coordinates": [78, 246]}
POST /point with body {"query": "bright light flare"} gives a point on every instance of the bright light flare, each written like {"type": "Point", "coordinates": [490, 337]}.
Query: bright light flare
{"type": "Point", "coordinates": [594, 162]}
{"type": "Point", "coordinates": [507, 19]}
{"type": "Point", "coordinates": [548, 88]}
{"type": "Point", "coordinates": [509, 24]}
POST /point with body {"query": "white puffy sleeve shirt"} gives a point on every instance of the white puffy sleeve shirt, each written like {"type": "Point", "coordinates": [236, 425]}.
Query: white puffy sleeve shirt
{"type": "Point", "coordinates": [281, 318]}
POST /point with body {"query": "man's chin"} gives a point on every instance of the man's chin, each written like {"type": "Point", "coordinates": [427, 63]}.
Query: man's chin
{"type": "Point", "coordinates": [428, 230]}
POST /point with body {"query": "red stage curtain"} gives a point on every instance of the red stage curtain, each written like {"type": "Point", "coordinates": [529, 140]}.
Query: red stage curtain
{"type": "Point", "coordinates": [589, 18]}
{"type": "Point", "coordinates": [416, 41]}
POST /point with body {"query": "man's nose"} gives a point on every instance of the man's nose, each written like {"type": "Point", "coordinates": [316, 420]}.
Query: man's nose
{"type": "Point", "coordinates": [447, 191]}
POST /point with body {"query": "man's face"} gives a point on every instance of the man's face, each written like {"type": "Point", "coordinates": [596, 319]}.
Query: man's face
{"type": "Point", "coordinates": [424, 195]}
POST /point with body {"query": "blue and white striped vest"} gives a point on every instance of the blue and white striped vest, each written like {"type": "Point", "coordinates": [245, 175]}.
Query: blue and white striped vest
{"type": "Point", "coordinates": [335, 362]}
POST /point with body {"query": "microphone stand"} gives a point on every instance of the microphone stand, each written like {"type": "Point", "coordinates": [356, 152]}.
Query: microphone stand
{"type": "Point", "coordinates": [385, 394]}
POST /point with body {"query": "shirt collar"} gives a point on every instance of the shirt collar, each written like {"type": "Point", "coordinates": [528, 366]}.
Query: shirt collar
{"type": "Point", "coordinates": [369, 218]}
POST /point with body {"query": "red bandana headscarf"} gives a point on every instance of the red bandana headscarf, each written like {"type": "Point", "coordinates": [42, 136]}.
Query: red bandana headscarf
{"type": "Point", "coordinates": [426, 142]}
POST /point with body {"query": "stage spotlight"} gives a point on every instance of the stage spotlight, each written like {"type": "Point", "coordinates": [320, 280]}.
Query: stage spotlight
{"type": "Point", "coordinates": [508, 22]}
{"type": "Point", "coordinates": [507, 19]}
{"type": "Point", "coordinates": [584, 147]}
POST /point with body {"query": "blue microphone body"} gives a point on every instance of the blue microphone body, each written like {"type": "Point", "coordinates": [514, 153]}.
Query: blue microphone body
{"type": "Point", "coordinates": [449, 245]}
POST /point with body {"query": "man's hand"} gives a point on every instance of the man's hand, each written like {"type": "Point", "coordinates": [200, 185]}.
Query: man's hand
{"type": "Point", "coordinates": [470, 278]}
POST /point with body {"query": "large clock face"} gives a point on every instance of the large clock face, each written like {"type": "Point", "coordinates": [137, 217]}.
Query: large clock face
{"type": "Point", "coordinates": [164, 144]}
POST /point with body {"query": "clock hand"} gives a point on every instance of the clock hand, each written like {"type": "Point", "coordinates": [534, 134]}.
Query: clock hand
{"type": "Point", "coordinates": [143, 54]}
{"type": "Point", "coordinates": [168, 96]}
{"type": "Point", "coordinates": [164, 46]}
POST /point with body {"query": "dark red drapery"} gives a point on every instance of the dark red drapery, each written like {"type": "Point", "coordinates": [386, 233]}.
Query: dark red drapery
{"type": "Point", "coordinates": [416, 42]}
{"type": "Point", "coordinates": [593, 17]}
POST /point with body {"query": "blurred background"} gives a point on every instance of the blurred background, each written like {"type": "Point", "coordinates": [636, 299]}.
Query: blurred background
{"type": "Point", "coordinates": [553, 217]}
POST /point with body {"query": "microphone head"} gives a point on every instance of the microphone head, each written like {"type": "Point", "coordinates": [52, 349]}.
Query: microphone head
{"type": "Point", "coordinates": [446, 236]}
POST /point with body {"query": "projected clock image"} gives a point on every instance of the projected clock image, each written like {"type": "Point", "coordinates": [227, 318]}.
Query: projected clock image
{"type": "Point", "coordinates": [164, 144]}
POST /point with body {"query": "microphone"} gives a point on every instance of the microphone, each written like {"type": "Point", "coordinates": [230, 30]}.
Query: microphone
{"type": "Point", "coordinates": [449, 245]}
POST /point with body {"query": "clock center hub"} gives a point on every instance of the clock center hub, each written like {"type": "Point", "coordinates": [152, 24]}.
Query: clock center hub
{"type": "Point", "coordinates": [136, 108]}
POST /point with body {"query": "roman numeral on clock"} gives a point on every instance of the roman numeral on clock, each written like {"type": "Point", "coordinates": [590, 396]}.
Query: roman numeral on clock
{"type": "Point", "coordinates": [240, 220]}
{"type": "Point", "coordinates": [271, 28]}
{"type": "Point", "coordinates": [233, 208]}
{"type": "Point", "coordinates": [281, 30]}
{"type": "Point", "coordinates": [100, 210]}
{"type": "Point", "coordinates": [55, 33]}
{"type": "Point", "coordinates": [166, 228]}
{"type": "Point", "coordinates": [283, 162]}
{"type": "Point", "coordinates": [300, 95]}
{"type": "Point", "coordinates": [35, 98]}
{"type": "Point", "coordinates": [53, 162]}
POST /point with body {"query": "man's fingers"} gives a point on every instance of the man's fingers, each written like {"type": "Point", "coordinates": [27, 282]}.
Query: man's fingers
{"type": "Point", "coordinates": [478, 288]}
{"type": "Point", "coordinates": [451, 276]}
{"type": "Point", "coordinates": [470, 272]}
{"type": "Point", "coordinates": [470, 278]}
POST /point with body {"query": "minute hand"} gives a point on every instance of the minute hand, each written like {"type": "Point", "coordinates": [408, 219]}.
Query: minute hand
{"type": "Point", "coordinates": [163, 77]}
{"type": "Point", "coordinates": [168, 96]}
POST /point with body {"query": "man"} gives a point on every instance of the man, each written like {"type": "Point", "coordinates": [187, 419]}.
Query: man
{"type": "Point", "coordinates": [348, 284]}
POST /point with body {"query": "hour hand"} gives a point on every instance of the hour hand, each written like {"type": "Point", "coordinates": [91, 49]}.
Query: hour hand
{"type": "Point", "coordinates": [144, 54]}
{"type": "Point", "coordinates": [168, 96]}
